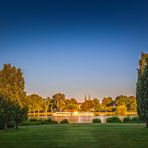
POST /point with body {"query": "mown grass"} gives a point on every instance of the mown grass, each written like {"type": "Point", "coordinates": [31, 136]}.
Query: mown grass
{"type": "Point", "coordinates": [76, 136]}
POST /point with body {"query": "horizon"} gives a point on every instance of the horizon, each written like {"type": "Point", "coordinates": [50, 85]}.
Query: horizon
{"type": "Point", "coordinates": [75, 47]}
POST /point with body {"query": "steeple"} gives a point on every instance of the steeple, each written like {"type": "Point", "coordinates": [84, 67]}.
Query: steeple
{"type": "Point", "coordinates": [85, 98]}
{"type": "Point", "coordinates": [89, 97]}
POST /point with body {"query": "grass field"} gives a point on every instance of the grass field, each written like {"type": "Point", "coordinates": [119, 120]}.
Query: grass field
{"type": "Point", "coordinates": [76, 136]}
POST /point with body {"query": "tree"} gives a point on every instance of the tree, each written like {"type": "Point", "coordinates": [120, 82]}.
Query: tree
{"type": "Point", "coordinates": [120, 100]}
{"type": "Point", "coordinates": [96, 105]}
{"type": "Point", "coordinates": [142, 88]}
{"type": "Point", "coordinates": [131, 104]}
{"type": "Point", "coordinates": [59, 100]}
{"type": "Point", "coordinates": [46, 105]}
{"type": "Point", "coordinates": [5, 110]}
{"type": "Point", "coordinates": [12, 94]}
{"type": "Point", "coordinates": [107, 103]}
{"type": "Point", "coordinates": [121, 110]}
{"type": "Point", "coordinates": [35, 103]}
{"type": "Point", "coordinates": [87, 105]}
{"type": "Point", "coordinates": [12, 83]}
{"type": "Point", "coordinates": [19, 114]}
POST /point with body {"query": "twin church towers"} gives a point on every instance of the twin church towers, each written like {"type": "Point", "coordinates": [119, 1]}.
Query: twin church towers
{"type": "Point", "coordinates": [87, 97]}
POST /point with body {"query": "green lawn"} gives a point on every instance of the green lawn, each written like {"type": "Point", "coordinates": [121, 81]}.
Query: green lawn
{"type": "Point", "coordinates": [76, 136]}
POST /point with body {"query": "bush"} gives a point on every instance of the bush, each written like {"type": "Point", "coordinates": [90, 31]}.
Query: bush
{"type": "Point", "coordinates": [132, 120]}
{"type": "Point", "coordinates": [33, 119]}
{"type": "Point", "coordinates": [96, 120]}
{"type": "Point", "coordinates": [38, 122]}
{"type": "Point", "coordinates": [53, 122]}
{"type": "Point", "coordinates": [136, 120]}
{"type": "Point", "coordinates": [64, 121]}
{"type": "Point", "coordinates": [113, 120]}
{"type": "Point", "coordinates": [127, 120]}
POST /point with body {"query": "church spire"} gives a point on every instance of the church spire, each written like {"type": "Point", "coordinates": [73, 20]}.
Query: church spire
{"type": "Point", "coordinates": [85, 98]}
{"type": "Point", "coordinates": [89, 97]}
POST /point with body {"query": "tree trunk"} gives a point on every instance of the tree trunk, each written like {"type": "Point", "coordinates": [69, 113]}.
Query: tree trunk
{"type": "Point", "coordinates": [16, 121]}
{"type": "Point", "coordinates": [147, 124]}
{"type": "Point", "coordinates": [45, 113]}
{"type": "Point", "coordinates": [51, 109]}
{"type": "Point", "coordinates": [38, 113]}
{"type": "Point", "coordinates": [34, 113]}
{"type": "Point", "coordinates": [5, 121]}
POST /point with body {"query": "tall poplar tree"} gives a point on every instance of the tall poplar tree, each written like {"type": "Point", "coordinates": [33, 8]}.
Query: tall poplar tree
{"type": "Point", "coordinates": [142, 88]}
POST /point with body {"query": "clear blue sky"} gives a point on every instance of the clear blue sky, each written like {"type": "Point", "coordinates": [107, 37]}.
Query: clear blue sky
{"type": "Point", "coordinates": [75, 47]}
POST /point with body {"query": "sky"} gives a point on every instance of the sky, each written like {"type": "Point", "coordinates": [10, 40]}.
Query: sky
{"type": "Point", "coordinates": [75, 47]}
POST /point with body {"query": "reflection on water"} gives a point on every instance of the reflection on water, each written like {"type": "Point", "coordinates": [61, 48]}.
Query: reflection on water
{"type": "Point", "coordinates": [78, 119]}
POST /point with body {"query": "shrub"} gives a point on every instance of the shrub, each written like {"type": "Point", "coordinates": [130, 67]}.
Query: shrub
{"type": "Point", "coordinates": [136, 120]}
{"type": "Point", "coordinates": [54, 122]}
{"type": "Point", "coordinates": [38, 122]}
{"type": "Point", "coordinates": [127, 120]}
{"type": "Point", "coordinates": [96, 120]}
{"type": "Point", "coordinates": [132, 120]}
{"type": "Point", "coordinates": [113, 120]}
{"type": "Point", "coordinates": [49, 120]}
{"type": "Point", "coordinates": [33, 119]}
{"type": "Point", "coordinates": [64, 121]}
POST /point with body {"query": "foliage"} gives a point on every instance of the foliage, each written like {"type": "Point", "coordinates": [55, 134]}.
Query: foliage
{"type": "Point", "coordinates": [59, 100]}
{"type": "Point", "coordinates": [96, 120]}
{"type": "Point", "coordinates": [136, 120]}
{"type": "Point", "coordinates": [12, 95]}
{"type": "Point", "coordinates": [132, 120]}
{"type": "Point", "coordinates": [113, 120]}
{"type": "Point", "coordinates": [129, 102]}
{"type": "Point", "coordinates": [35, 121]}
{"type": "Point", "coordinates": [71, 105]}
{"type": "Point", "coordinates": [142, 88]}
{"type": "Point", "coordinates": [107, 104]}
{"type": "Point", "coordinates": [64, 121]}
{"type": "Point", "coordinates": [121, 110]}
{"type": "Point", "coordinates": [35, 103]}
{"type": "Point", "coordinates": [12, 84]}
{"type": "Point", "coordinates": [127, 119]}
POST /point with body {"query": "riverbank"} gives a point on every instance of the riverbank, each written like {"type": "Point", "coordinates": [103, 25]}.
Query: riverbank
{"type": "Point", "coordinates": [76, 135]}
{"type": "Point", "coordinates": [76, 113]}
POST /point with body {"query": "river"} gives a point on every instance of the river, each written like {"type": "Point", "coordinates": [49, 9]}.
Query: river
{"type": "Point", "coordinates": [79, 119]}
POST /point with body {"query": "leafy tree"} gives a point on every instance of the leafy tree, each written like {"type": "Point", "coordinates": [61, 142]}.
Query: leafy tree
{"type": "Point", "coordinates": [87, 105]}
{"type": "Point", "coordinates": [5, 110]}
{"type": "Point", "coordinates": [59, 100]}
{"type": "Point", "coordinates": [120, 100]}
{"type": "Point", "coordinates": [131, 104]}
{"type": "Point", "coordinates": [121, 110]}
{"type": "Point", "coordinates": [73, 104]}
{"type": "Point", "coordinates": [142, 88]}
{"type": "Point", "coordinates": [107, 103]}
{"type": "Point", "coordinates": [19, 113]}
{"type": "Point", "coordinates": [12, 83]}
{"type": "Point", "coordinates": [12, 94]}
{"type": "Point", "coordinates": [35, 103]}
{"type": "Point", "coordinates": [96, 105]}
{"type": "Point", "coordinates": [46, 104]}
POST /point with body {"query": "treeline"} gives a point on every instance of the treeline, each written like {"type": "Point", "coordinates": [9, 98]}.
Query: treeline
{"type": "Point", "coordinates": [15, 104]}
{"type": "Point", "coordinates": [58, 102]}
